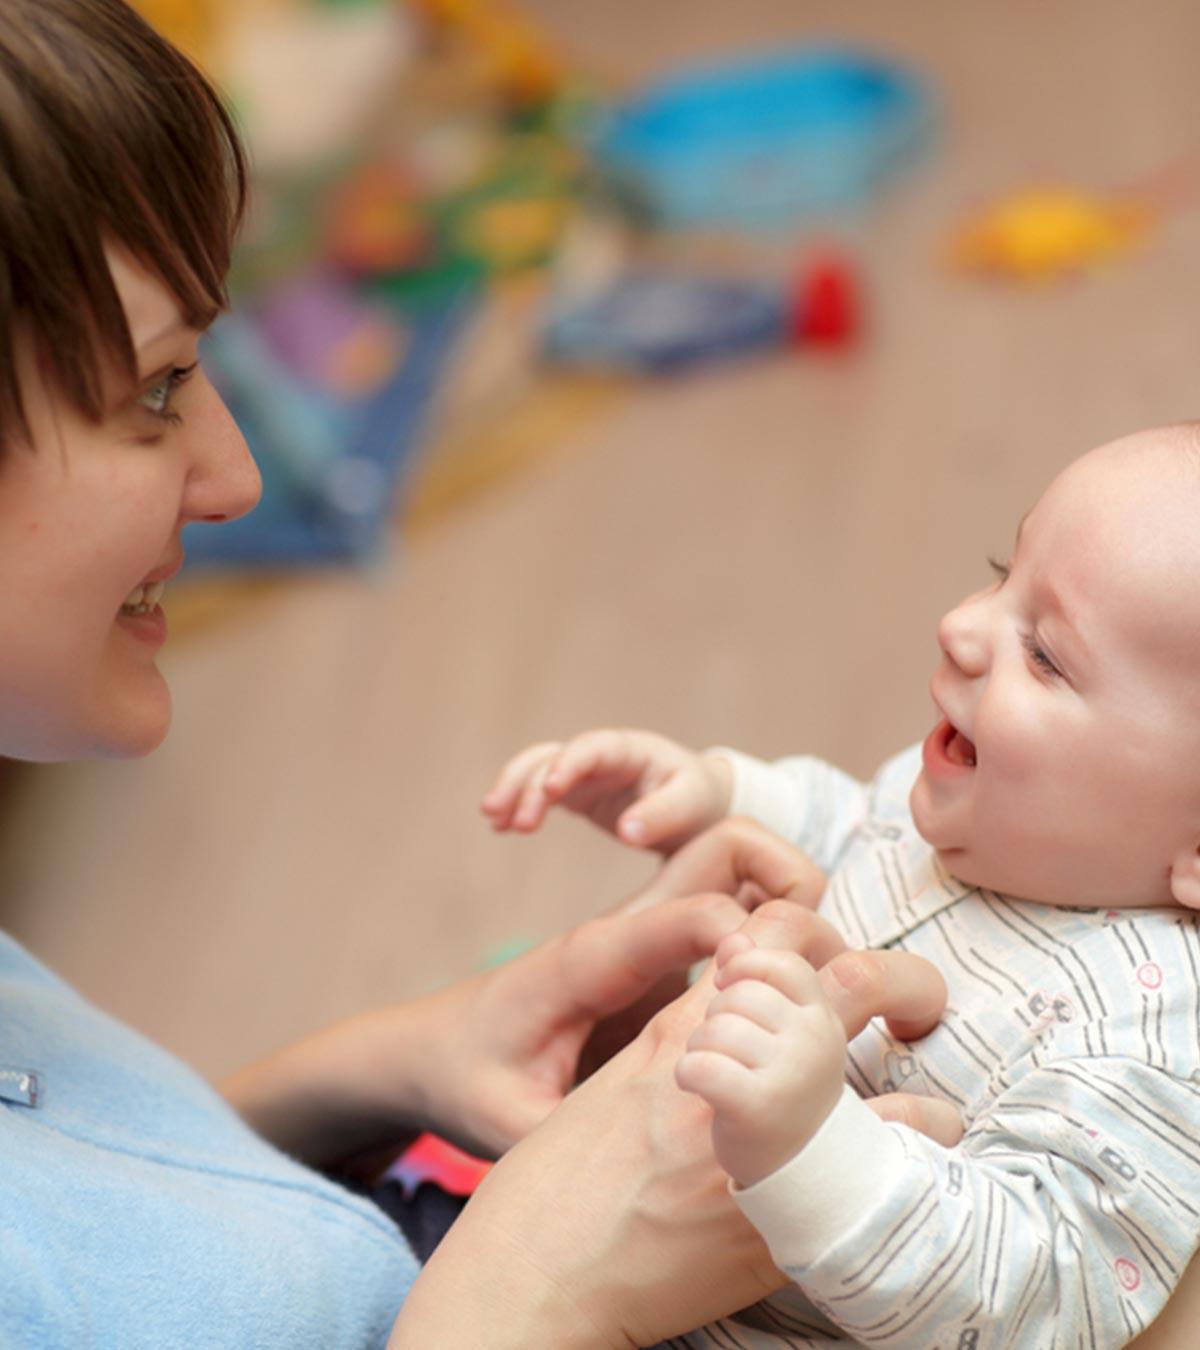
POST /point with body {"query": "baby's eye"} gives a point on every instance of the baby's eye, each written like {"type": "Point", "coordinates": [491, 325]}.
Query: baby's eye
{"type": "Point", "coordinates": [158, 398]}
{"type": "Point", "coordinates": [1039, 658]}
{"type": "Point", "coordinates": [1001, 569]}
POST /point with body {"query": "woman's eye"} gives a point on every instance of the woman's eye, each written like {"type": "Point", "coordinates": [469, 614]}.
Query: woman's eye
{"type": "Point", "coordinates": [1001, 569]}
{"type": "Point", "coordinates": [159, 397]}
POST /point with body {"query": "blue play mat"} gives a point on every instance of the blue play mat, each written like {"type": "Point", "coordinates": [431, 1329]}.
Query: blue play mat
{"type": "Point", "coordinates": [766, 139]}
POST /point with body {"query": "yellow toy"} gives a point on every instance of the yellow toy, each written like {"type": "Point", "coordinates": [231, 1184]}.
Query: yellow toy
{"type": "Point", "coordinates": [189, 24]}
{"type": "Point", "coordinates": [514, 51]}
{"type": "Point", "coordinates": [1049, 232]}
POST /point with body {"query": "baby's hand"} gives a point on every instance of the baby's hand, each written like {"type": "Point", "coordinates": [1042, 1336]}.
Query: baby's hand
{"type": "Point", "coordinates": [769, 1058]}
{"type": "Point", "coordinates": [645, 789]}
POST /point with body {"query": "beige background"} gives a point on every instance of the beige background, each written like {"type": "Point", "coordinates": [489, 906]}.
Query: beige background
{"type": "Point", "coordinates": [755, 555]}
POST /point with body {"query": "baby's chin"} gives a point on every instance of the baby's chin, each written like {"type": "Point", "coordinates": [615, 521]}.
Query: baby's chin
{"type": "Point", "coordinates": [925, 817]}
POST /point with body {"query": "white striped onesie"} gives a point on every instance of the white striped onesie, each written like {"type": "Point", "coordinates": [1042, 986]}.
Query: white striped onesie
{"type": "Point", "coordinates": [1071, 1046]}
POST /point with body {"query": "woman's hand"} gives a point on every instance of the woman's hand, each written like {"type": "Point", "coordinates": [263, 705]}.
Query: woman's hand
{"type": "Point", "coordinates": [736, 856]}
{"type": "Point", "coordinates": [514, 1041]}
{"type": "Point", "coordinates": [484, 1060]}
{"type": "Point", "coordinates": [611, 1225]}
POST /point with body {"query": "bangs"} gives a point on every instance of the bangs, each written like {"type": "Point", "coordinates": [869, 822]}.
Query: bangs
{"type": "Point", "coordinates": [107, 135]}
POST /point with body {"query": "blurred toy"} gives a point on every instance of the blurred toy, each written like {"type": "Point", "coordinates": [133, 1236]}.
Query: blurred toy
{"type": "Point", "coordinates": [375, 223]}
{"type": "Point", "coordinates": [763, 140]}
{"type": "Point", "coordinates": [189, 24]}
{"type": "Point", "coordinates": [430, 1158]}
{"type": "Point", "coordinates": [827, 312]}
{"type": "Point", "coordinates": [330, 338]}
{"type": "Point", "coordinates": [332, 393]}
{"type": "Point", "coordinates": [1049, 232]}
{"type": "Point", "coordinates": [514, 216]}
{"type": "Point", "coordinates": [514, 52]}
{"type": "Point", "coordinates": [308, 80]}
{"type": "Point", "coordinates": [658, 322]}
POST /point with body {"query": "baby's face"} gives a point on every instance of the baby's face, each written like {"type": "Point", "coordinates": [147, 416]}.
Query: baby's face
{"type": "Point", "coordinates": [1066, 766]}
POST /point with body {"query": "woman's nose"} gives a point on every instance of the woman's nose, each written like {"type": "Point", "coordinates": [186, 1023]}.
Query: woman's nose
{"type": "Point", "coordinates": [223, 481]}
{"type": "Point", "coordinates": [962, 635]}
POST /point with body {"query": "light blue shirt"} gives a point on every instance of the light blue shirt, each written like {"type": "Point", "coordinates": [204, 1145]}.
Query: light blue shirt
{"type": "Point", "coordinates": [139, 1210]}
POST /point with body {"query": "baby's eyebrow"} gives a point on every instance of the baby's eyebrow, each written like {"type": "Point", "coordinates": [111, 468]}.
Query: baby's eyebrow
{"type": "Point", "coordinates": [1021, 526]}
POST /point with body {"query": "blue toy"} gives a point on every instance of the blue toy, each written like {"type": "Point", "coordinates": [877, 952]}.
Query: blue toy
{"type": "Point", "coordinates": [766, 139]}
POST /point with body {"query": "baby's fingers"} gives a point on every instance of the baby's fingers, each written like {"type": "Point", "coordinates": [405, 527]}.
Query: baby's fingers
{"type": "Point", "coordinates": [502, 798]}
{"type": "Point", "coordinates": [786, 973]}
{"type": "Point", "coordinates": [612, 754]}
{"type": "Point", "coordinates": [716, 1078]}
{"type": "Point", "coordinates": [675, 809]}
{"type": "Point", "coordinates": [533, 803]}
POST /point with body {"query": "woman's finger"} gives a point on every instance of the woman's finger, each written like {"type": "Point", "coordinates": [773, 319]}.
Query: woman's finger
{"type": "Point", "coordinates": [730, 855]}
{"type": "Point", "coordinates": [611, 961]}
{"type": "Point", "coordinates": [781, 923]}
{"type": "Point", "coordinates": [905, 989]}
{"type": "Point", "coordinates": [932, 1117]}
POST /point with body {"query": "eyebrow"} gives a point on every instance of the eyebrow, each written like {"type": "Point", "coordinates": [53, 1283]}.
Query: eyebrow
{"type": "Point", "coordinates": [1053, 601]}
{"type": "Point", "coordinates": [1020, 527]}
{"type": "Point", "coordinates": [176, 325]}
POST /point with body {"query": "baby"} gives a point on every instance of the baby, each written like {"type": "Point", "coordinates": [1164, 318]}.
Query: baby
{"type": "Point", "coordinates": [1042, 847]}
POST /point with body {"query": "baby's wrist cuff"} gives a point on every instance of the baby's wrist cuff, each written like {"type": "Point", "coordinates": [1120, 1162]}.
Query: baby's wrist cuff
{"type": "Point", "coordinates": [758, 791]}
{"type": "Point", "coordinates": [832, 1183]}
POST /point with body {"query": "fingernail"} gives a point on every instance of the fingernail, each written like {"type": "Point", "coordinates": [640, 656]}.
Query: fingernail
{"type": "Point", "coordinates": [633, 830]}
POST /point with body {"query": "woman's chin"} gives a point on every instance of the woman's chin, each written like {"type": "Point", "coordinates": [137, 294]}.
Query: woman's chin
{"type": "Point", "coordinates": [137, 724]}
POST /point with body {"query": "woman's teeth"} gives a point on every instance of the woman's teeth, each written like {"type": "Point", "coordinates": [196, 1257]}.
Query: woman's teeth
{"type": "Point", "coordinates": [142, 599]}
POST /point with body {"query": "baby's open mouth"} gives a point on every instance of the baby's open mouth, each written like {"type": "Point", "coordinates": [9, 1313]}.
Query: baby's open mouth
{"type": "Point", "coordinates": [958, 749]}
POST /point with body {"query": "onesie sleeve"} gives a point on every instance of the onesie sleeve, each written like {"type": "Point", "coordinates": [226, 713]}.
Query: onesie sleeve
{"type": "Point", "coordinates": [1064, 1218]}
{"type": "Point", "coordinates": [804, 799]}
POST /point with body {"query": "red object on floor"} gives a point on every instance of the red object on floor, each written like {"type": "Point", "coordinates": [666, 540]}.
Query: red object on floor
{"type": "Point", "coordinates": [826, 309]}
{"type": "Point", "coordinates": [433, 1159]}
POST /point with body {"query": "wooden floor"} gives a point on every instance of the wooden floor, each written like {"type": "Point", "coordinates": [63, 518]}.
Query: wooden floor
{"type": "Point", "coordinates": [754, 556]}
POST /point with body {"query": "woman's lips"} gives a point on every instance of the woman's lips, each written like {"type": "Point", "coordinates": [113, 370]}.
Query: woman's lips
{"type": "Point", "coordinates": [947, 753]}
{"type": "Point", "coordinates": [149, 626]}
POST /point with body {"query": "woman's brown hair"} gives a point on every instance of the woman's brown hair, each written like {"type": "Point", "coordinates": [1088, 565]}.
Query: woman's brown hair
{"type": "Point", "coordinates": [107, 134]}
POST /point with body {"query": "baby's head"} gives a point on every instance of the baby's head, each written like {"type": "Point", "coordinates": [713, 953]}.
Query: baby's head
{"type": "Point", "coordinates": [1066, 768]}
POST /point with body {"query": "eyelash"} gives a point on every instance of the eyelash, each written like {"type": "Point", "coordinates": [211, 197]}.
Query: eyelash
{"type": "Point", "coordinates": [168, 384]}
{"type": "Point", "coordinates": [1033, 649]}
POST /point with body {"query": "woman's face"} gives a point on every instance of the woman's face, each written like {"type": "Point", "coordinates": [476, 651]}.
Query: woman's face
{"type": "Point", "coordinates": [90, 513]}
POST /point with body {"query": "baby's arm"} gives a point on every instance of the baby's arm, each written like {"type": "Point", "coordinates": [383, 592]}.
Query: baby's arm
{"type": "Point", "coordinates": [647, 790]}
{"type": "Point", "coordinates": [1065, 1217]}
{"type": "Point", "coordinates": [654, 793]}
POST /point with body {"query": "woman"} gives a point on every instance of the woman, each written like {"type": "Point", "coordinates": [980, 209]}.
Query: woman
{"type": "Point", "coordinates": [144, 1208]}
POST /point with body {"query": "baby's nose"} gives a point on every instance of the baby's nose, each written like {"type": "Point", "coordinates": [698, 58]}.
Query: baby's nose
{"type": "Point", "coordinates": [962, 635]}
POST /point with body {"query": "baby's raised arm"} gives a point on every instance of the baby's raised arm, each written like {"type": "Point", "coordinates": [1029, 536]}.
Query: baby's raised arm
{"type": "Point", "coordinates": [645, 789]}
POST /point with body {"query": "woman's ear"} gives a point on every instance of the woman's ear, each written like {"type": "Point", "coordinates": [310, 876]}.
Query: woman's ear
{"type": "Point", "coordinates": [1185, 878]}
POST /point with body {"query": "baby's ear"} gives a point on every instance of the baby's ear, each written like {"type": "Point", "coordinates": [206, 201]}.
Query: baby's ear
{"type": "Point", "coordinates": [1185, 878]}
